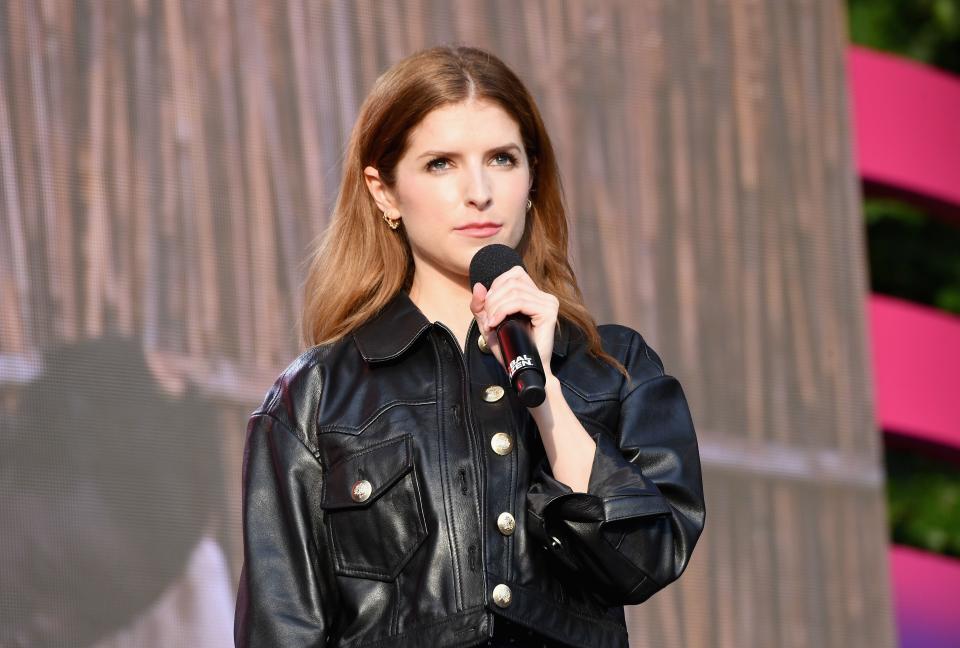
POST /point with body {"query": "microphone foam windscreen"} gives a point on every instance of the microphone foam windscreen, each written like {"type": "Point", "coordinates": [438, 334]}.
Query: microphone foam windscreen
{"type": "Point", "coordinates": [491, 261]}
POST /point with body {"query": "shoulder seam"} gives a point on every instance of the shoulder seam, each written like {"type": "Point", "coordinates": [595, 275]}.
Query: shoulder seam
{"type": "Point", "coordinates": [637, 338]}
{"type": "Point", "coordinates": [648, 380]}
{"type": "Point", "coordinates": [646, 352]}
{"type": "Point", "coordinates": [294, 433]}
{"type": "Point", "coordinates": [279, 386]}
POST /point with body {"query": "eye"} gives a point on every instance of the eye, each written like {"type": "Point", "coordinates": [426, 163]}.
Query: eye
{"type": "Point", "coordinates": [510, 159]}
{"type": "Point", "coordinates": [432, 167]}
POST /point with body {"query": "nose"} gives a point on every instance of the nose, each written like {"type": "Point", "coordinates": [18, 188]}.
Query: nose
{"type": "Point", "coordinates": [478, 191]}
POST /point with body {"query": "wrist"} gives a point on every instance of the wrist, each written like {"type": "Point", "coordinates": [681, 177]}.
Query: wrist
{"type": "Point", "coordinates": [554, 395]}
{"type": "Point", "coordinates": [552, 385]}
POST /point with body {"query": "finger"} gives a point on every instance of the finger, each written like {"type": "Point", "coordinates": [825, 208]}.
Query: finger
{"type": "Point", "coordinates": [511, 290]}
{"type": "Point", "coordinates": [477, 299]}
{"type": "Point", "coordinates": [489, 333]}
{"type": "Point", "coordinates": [493, 342]}
{"type": "Point", "coordinates": [536, 307]}
{"type": "Point", "coordinates": [514, 274]}
{"type": "Point", "coordinates": [503, 303]}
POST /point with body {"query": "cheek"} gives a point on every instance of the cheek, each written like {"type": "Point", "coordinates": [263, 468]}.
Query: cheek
{"type": "Point", "coordinates": [424, 212]}
{"type": "Point", "coordinates": [517, 195]}
{"type": "Point", "coordinates": [517, 189]}
{"type": "Point", "coordinates": [423, 196]}
{"type": "Point", "coordinates": [517, 232]}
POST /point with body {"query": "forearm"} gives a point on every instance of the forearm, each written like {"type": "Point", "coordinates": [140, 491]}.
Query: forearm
{"type": "Point", "coordinates": [570, 449]}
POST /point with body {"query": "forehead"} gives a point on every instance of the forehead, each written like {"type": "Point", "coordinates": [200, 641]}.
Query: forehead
{"type": "Point", "coordinates": [475, 122]}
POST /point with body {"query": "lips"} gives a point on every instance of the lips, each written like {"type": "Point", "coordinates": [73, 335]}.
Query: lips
{"type": "Point", "coordinates": [479, 230]}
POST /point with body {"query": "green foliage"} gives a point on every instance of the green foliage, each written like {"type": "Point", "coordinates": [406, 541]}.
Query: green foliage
{"type": "Point", "coordinates": [917, 258]}
{"type": "Point", "coordinates": [912, 256]}
{"type": "Point", "coordinates": [926, 30]}
{"type": "Point", "coordinates": [923, 500]}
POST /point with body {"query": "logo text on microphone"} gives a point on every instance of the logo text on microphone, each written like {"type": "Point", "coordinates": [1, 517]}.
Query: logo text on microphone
{"type": "Point", "coordinates": [519, 363]}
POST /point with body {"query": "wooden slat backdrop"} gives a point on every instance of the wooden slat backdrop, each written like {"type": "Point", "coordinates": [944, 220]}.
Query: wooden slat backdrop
{"type": "Point", "coordinates": [164, 164]}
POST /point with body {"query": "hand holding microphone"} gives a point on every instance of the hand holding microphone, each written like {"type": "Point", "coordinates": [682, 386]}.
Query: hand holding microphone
{"type": "Point", "coordinates": [517, 319]}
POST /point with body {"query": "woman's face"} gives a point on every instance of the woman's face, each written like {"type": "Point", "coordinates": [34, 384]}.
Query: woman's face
{"type": "Point", "coordinates": [462, 183]}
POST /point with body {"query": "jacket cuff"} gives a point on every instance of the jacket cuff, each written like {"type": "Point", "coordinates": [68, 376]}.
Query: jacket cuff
{"type": "Point", "coordinates": [616, 490]}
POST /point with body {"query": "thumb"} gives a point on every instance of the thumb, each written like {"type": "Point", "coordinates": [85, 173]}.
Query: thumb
{"type": "Point", "coordinates": [478, 298]}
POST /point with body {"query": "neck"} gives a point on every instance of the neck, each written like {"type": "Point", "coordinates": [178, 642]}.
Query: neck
{"type": "Point", "coordinates": [443, 297]}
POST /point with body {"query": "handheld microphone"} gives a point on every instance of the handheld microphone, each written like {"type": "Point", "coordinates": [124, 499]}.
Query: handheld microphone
{"type": "Point", "coordinates": [520, 355]}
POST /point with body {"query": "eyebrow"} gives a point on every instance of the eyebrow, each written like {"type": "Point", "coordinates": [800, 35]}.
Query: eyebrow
{"type": "Point", "coordinates": [451, 154]}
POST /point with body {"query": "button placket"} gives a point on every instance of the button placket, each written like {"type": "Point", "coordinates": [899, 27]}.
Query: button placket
{"type": "Point", "coordinates": [462, 435]}
{"type": "Point", "coordinates": [495, 412]}
{"type": "Point", "coordinates": [493, 418]}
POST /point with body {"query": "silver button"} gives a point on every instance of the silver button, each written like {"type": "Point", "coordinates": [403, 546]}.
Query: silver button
{"type": "Point", "coordinates": [501, 443]}
{"type": "Point", "coordinates": [493, 393]}
{"type": "Point", "coordinates": [506, 523]}
{"type": "Point", "coordinates": [361, 491]}
{"type": "Point", "coordinates": [482, 343]}
{"type": "Point", "coordinates": [502, 595]}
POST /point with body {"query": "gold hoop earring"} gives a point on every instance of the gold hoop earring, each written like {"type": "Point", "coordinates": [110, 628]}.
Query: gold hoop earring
{"type": "Point", "coordinates": [394, 223]}
{"type": "Point", "coordinates": [529, 204]}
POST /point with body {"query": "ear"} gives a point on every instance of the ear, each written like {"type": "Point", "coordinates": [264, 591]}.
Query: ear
{"type": "Point", "coordinates": [379, 190]}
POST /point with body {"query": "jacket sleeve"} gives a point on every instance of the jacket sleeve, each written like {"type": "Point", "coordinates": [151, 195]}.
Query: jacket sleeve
{"type": "Point", "coordinates": [286, 587]}
{"type": "Point", "coordinates": [633, 531]}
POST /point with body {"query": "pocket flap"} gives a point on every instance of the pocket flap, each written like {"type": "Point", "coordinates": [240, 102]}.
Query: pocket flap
{"type": "Point", "coordinates": [369, 472]}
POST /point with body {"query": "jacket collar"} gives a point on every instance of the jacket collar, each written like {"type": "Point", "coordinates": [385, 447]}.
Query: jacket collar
{"type": "Point", "coordinates": [392, 331]}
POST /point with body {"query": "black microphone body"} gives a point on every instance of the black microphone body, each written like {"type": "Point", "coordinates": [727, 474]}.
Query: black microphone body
{"type": "Point", "coordinates": [524, 366]}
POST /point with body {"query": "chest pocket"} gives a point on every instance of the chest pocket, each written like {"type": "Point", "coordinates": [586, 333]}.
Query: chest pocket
{"type": "Point", "coordinates": [374, 510]}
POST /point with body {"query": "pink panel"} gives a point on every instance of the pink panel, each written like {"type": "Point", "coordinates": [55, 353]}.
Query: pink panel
{"type": "Point", "coordinates": [916, 369]}
{"type": "Point", "coordinates": [926, 590]}
{"type": "Point", "coordinates": [907, 124]}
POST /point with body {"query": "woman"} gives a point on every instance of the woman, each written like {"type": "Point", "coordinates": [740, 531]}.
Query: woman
{"type": "Point", "coordinates": [396, 493]}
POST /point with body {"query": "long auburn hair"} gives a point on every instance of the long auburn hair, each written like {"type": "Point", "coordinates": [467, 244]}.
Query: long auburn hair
{"type": "Point", "coordinates": [359, 264]}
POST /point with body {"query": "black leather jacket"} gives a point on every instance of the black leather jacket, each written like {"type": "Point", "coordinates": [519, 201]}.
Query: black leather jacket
{"type": "Point", "coordinates": [378, 468]}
